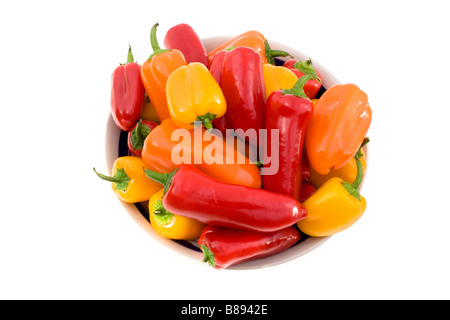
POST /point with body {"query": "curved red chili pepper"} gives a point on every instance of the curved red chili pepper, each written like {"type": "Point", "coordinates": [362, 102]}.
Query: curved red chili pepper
{"type": "Point", "coordinates": [127, 93]}
{"type": "Point", "coordinates": [184, 38]}
{"type": "Point", "coordinates": [193, 194]}
{"type": "Point", "coordinates": [223, 247]}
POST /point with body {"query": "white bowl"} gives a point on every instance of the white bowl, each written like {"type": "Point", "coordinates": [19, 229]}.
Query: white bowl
{"type": "Point", "coordinates": [189, 248]}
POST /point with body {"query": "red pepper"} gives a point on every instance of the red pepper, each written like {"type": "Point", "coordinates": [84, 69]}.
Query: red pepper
{"type": "Point", "coordinates": [127, 93]}
{"type": "Point", "coordinates": [193, 194]}
{"type": "Point", "coordinates": [306, 171]}
{"type": "Point", "coordinates": [224, 247]}
{"type": "Point", "coordinates": [307, 190]}
{"type": "Point", "coordinates": [184, 38]}
{"type": "Point", "coordinates": [240, 75]}
{"type": "Point", "coordinates": [312, 87]}
{"type": "Point", "coordinates": [288, 111]}
{"type": "Point", "coordinates": [222, 125]}
{"type": "Point", "coordinates": [137, 135]}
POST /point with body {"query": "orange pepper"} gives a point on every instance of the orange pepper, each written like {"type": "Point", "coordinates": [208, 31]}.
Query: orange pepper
{"type": "Point", "coordinates": [169, 225]}
{"type": "Point", "coordinates": [253, 39]}
{"type": "Point", "coordinates": [156, 70]}
{"type": "Point", "coordinates": [337, 128]}
{"type": "Point", "coordinates": [157, 156]}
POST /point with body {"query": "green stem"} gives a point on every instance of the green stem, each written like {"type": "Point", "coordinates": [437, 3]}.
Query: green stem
{"type": "Point", "coordinates": [154, 42]}
{"type": "Point", "coordinates": [138, 129]}
{"type": "Point", "coordinates": [121, 180]}
{"type": "Point", "coordinates": [163, 178]}
{"type": "Point", "coordinates": [359, 173]}
{"type": "Point", "coordinates": [271, 54]}
{"type": "Point", "coordinates": [162, 216]}
{"type": "Point", "coordinates": [306, 67]}
{"type": "Point", "coordinates": [359, 167]}
{"type": "Point", "coordinates": [297, 89]}
{"type": "Point", "coordinates": [208, 256]}
{"type": "Point", "coordinates": [206, 120]}
{"type": "Point", "coordinates": [352, 188]}
{"type": "Point", "coordinates": [130, 57]}
{"type": "Point", "coordinates": [107, 178]}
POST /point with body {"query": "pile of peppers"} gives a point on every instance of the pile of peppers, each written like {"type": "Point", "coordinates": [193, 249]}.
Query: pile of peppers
{"type": "Point", "coordinates": [232, 210]}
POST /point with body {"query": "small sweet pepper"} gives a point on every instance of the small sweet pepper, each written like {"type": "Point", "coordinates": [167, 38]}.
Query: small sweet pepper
{"type": "Point", "coordinates": [335, 206]}
{"type": "Point", "coordinates": [127, 93]}
{"type": "Point", "coordinates": [156, 70]}
{"type": "Point", "coordinates": [129, 182]}
{"type": "Point", "coordinates": [194, 95]}
{"type": "Point", "coordinates": [223, 247]}
{"type": "Point", "coordinates": [338, 126]}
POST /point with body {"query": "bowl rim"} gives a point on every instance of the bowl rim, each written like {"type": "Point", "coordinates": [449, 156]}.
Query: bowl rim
{"type": "Point", "coordinates": [112, 136]}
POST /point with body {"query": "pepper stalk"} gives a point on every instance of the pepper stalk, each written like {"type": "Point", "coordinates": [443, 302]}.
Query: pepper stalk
{"type": "Point", "coordinates": [120, 179]}
{"type": "Point", "coordinates": [352, 188]}
{"type": "Point", "coordinates": [154, 42]}
{"type": "Point", "coordinates": [163, 178]}
{"type": "Point", "coordinates": [307, 68]}
{"type": "Point", "coordinates": [271, 54]}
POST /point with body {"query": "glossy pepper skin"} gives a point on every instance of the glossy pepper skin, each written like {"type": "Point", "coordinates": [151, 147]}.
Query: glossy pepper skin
{"type": "Point", "coordinates": [251, 39]}
{"type": "Point", "coordinates": [170, 225]}
{"type": "Point", "coordinates": [157, 156]}
{"type": "Point", "coordinates": [226, 205]}
{"type": "Point", "coordinates": [129, 182]}
{"type": "Point", "coordinates": [335, 206]}
{"type": "Point", "coordinates": [242, 82]}
{"type": "Point", "coordinates": [277, 78]}
{"type": "Point", "coordinates": [184, 38]}
{"type": "Point", "coordinates": [194, 95]}
{"type": "Point", "coordinates": [156, 70]}
{"type": "Point", "coordinates": [137, 135]}
{"type": "Point", "coordinates": [312, 87]}
{"type": "Point", "coordinates": [307, 191]}
{"type": "Point", "coordinates": [223, 247]}
{"type": "Point", "coordinates": [288, 111]}
{"type": "Point", "coordinates": [339, 125]}
{"type": "Point", "coordinates": [127, 93]}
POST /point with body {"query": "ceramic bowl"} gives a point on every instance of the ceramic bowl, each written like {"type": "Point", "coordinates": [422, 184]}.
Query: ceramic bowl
{"type": "Point", "coordinates": [116, 146]}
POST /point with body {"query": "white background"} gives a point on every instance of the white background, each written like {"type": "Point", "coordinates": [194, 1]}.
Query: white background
{"type": "Point", "coordinates": [63, 233]}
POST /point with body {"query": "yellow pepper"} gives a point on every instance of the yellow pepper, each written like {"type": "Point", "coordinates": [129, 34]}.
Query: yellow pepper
{"type": "Point", "coordinates": [129, 181]}
{"type": "Point", "coordinates": [335, 206]}
{"type": "Point", "coordinates": [277, 77]}
{"type": "Point", "coordinates": [170, 225]}
{"type": "Point", "coordinates": [346, 173]}
{"type": "Point", "coordinates": [194, 95]}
